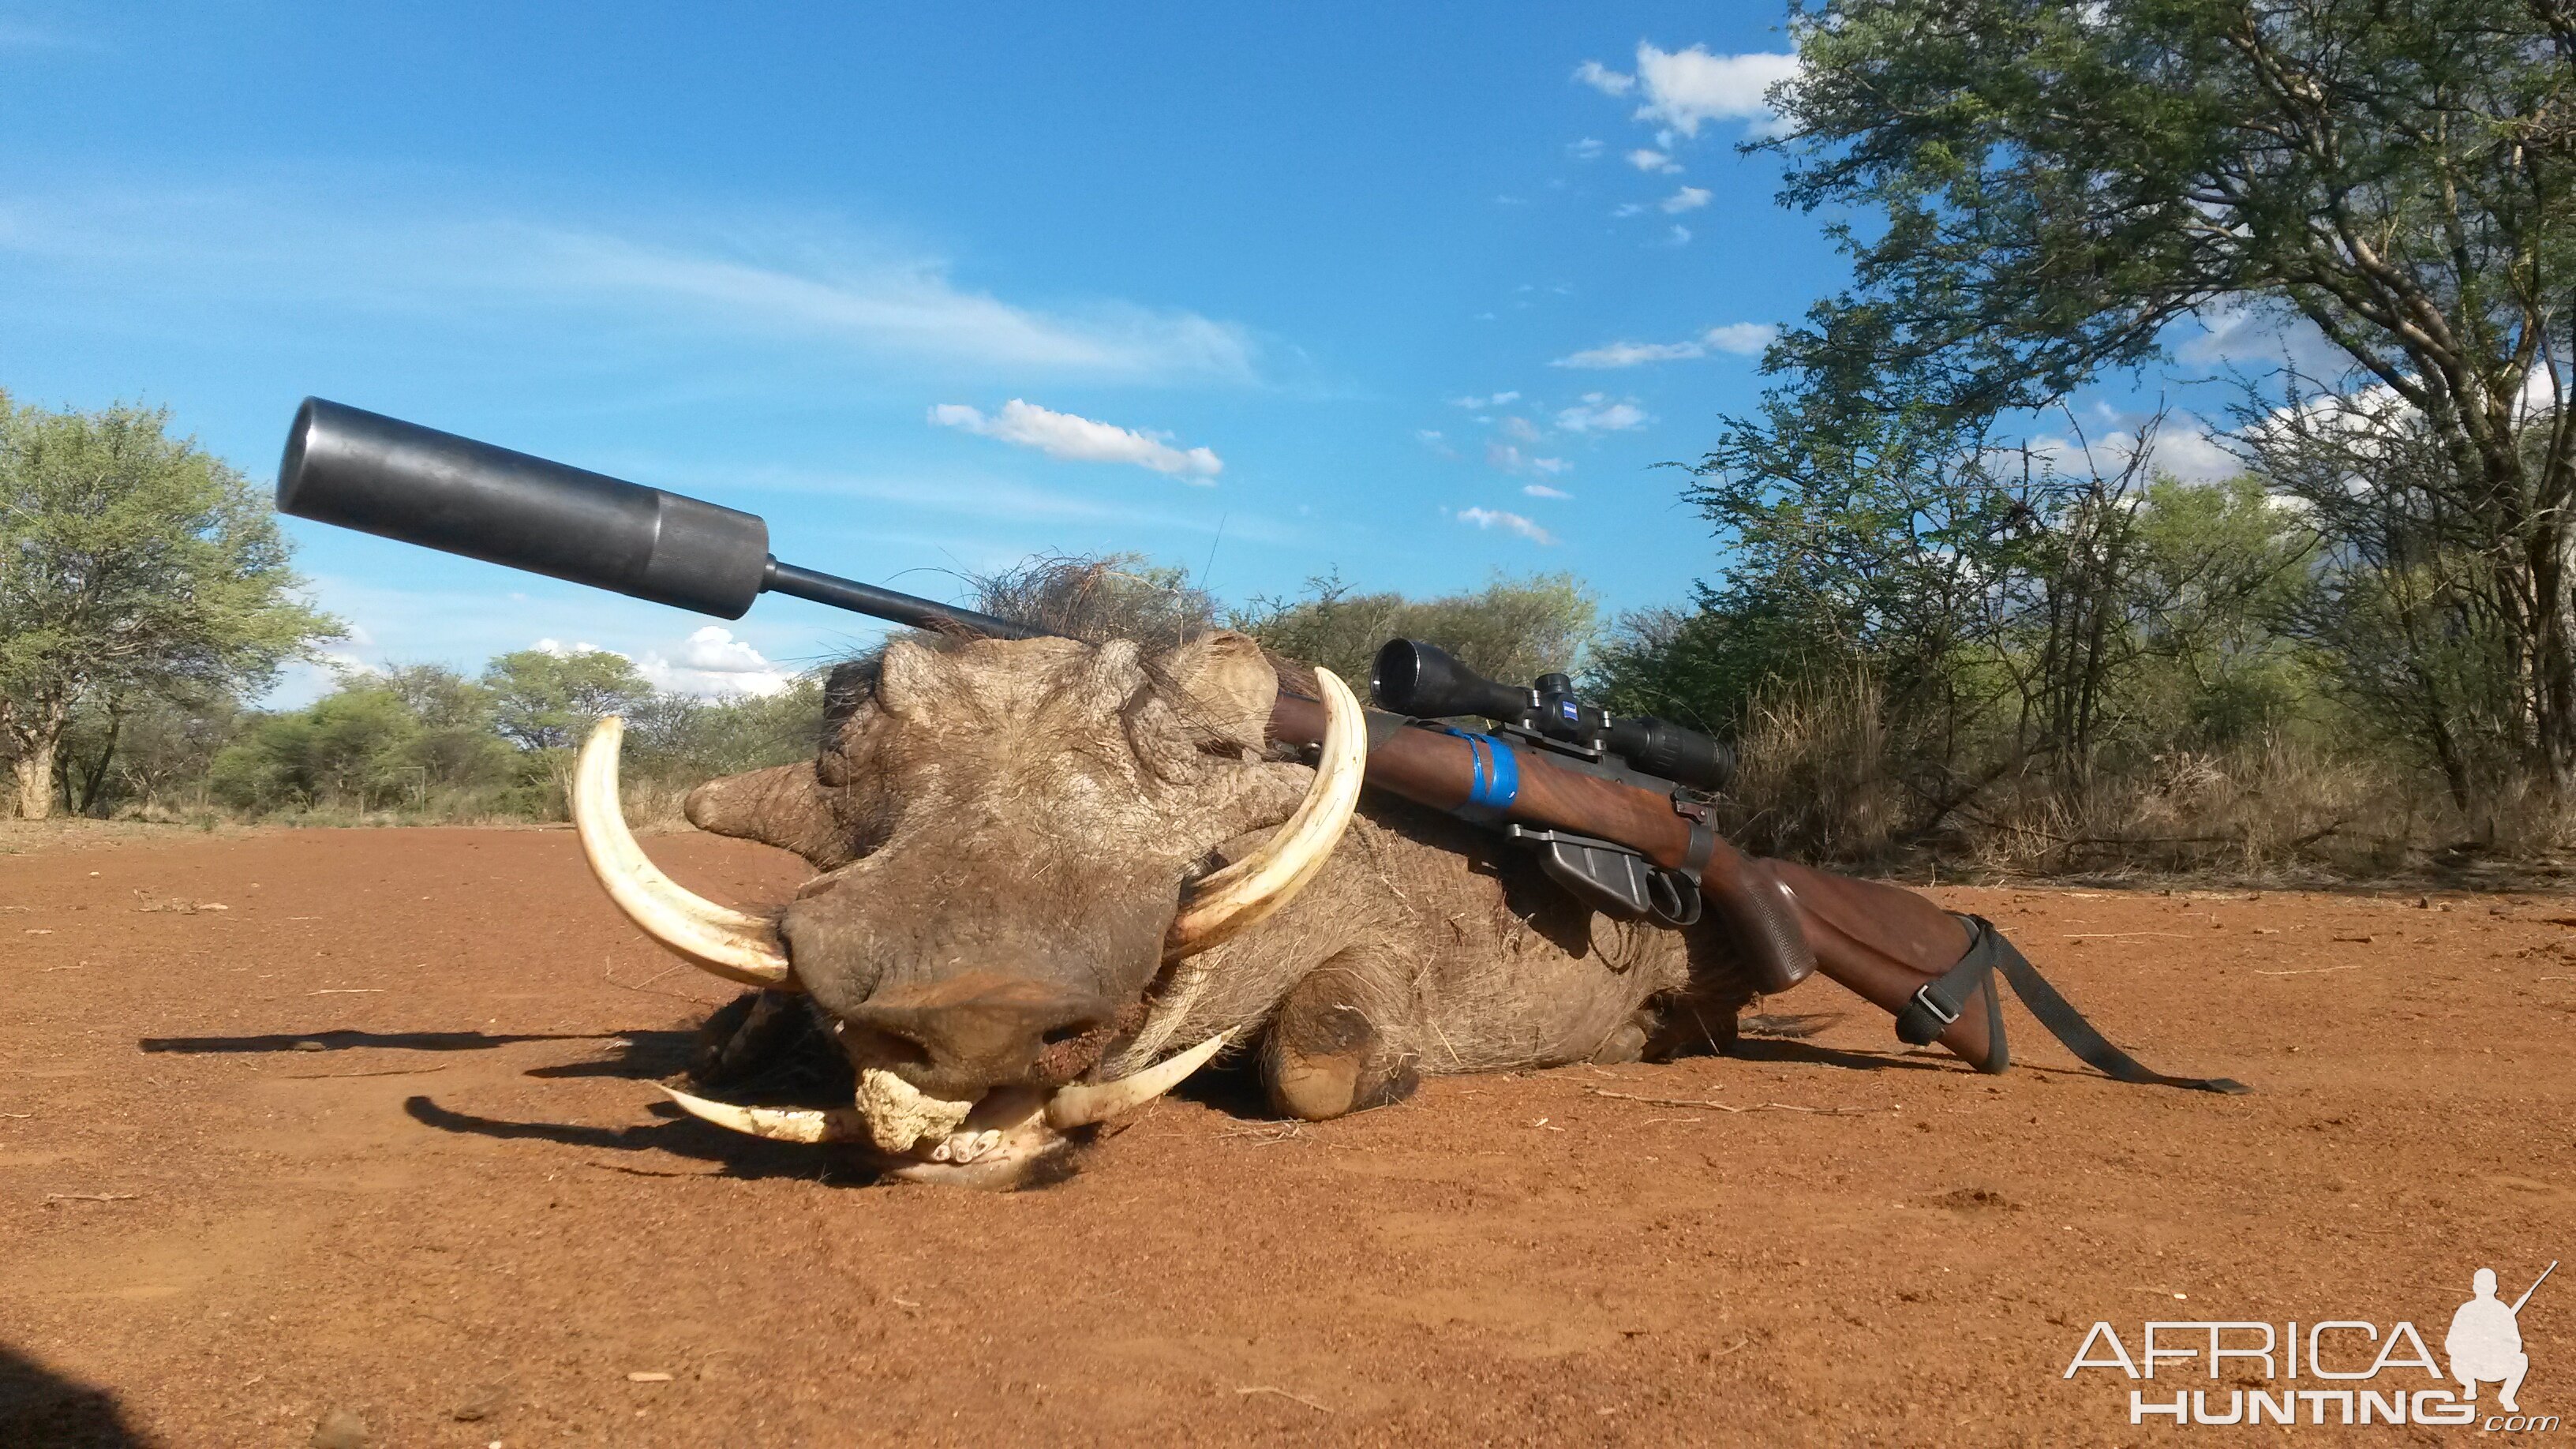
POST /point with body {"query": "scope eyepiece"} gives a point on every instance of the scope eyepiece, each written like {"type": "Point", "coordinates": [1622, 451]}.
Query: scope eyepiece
{"type": "Point", "coordinates": [1685, 756]}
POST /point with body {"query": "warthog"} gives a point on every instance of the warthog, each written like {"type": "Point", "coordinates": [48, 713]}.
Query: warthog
{"type": "Point", "coordinates": [1044, 864]}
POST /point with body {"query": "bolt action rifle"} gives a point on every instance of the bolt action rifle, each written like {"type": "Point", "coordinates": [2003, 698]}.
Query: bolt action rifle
{"type": "Point", "coordinates": [1618, 810]}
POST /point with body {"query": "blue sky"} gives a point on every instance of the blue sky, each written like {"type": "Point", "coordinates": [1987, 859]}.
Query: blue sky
{"type": "Point", "coordinates": [1414, 293]}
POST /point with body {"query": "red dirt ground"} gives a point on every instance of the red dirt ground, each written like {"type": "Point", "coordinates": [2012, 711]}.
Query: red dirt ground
{"type": "Point", "coordinates": [376, 1144]}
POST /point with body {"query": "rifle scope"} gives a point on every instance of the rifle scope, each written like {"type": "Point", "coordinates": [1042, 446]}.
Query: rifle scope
{"type": "Point", "coordinates": [1422, 680]}
{"type": "Point", "coordinates": [402, 481]}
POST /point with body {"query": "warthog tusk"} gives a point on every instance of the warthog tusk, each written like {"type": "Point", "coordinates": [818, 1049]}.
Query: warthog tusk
{"type": "Point", "coordinates": [706, 935]}
{"type": "Point", "coordinates": [1083, 1104]}
{"type": "Point", "coordinates": [1245, 893]}
{"type": "Point", "coordinates": [779, 1124]}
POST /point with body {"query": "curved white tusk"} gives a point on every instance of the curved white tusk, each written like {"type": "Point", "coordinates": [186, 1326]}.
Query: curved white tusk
{"type": "Point", "coordinates": [779, 1124]}
{"type": "Point", "coordinates": [1245, 893]}
{"type": "Point", "coordinates": [706, 935]}
{"type": "Point", "coordinates": [1083, 1104]}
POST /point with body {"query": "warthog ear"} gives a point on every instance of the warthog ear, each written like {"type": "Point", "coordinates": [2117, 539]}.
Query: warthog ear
{"type": "Point", "coordinates": [1231, 687]}
{"type": "Point", "coordinates": [784, 806]}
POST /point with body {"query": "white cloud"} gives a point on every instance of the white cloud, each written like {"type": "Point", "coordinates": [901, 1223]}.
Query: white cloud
{"type": "Point", "coordinates": [1511, 459]}
{"type": "Point", "coordinates": [1064, 435]}
{"type": "Point", "coordinates": [1492, 518]}
{"type": "Point", "coordinates": [1585, 149]}
{"type": "Point", "coordinates": [905, 306]}
{"type": "Point", "coordinates": [1683, 89]}
{"type": "Point", "coordinates": [2184, 448]}
{"type": "Point", "coordinates": [1520, 429]}
{"type": "Point", "coordinates": [1541, 490]}
{"type": "Point", "coordinates": [19, 35]}
{"type": "Point", "coordinates": [1499, 399]}
{"type": "Point", "coordinates": [2188, 450]}
{"type": "Point", "coordinates": [1603, 79]}
{"type": "Point", "coordinates": [1631, 354]}
{"type": "Point", "coordinates": [2262, 335]}
{"type": "Point", "coordinates": [1650, 160]}
{"type": "Point", "coordinates": [714, 664]}
{"type": "Point", "coordinates": [1745, 339]}
{"type": "Point", "coordinates": [823, 294]}
{"type": "Point", "coordinates": [1689, 198]}
{"type": "Point", "coordinates": [1679, 236]}
{"type": "Point", "coordinates": [1598, 413]}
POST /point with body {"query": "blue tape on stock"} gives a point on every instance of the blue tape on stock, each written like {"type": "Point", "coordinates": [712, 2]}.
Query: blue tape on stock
{"type": "Point", "coordinates": [1493, 773]}
{"type": "Point", "coordinates": [1497, 777]}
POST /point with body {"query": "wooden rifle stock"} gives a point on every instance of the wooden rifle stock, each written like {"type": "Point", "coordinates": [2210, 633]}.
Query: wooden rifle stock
{"type": "Point", "coordinates": [1882, 941]}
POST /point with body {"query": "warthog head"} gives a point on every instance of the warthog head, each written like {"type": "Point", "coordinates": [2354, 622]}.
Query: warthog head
{"type": "Point", "coordinates": [1014, 838]}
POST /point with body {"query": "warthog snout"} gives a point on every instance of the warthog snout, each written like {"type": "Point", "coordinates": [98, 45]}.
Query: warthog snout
{"type": "Point", "coordinates": [961, 1036]}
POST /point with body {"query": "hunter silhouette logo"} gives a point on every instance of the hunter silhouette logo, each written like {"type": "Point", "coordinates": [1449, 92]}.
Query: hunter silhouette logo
{"type": "Point", "coordinates": [2485, 1341]}
{"type": "Point", "coordinates": [2359, 1374]}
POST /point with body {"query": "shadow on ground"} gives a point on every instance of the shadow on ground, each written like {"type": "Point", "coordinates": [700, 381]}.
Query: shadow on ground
{"type": "Point", "coordinates": [41, 1407]}
{"type": "Point", "coordinates": [677, 1134]}
{"type": "Point", "coordinates": [341, 1041]}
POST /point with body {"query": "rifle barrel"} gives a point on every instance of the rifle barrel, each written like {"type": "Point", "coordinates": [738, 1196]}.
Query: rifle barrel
{"type": "Point", "coordinates": [2535, 1285]}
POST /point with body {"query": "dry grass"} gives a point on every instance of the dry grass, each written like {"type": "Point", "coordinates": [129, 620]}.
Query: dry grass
{"type": "Point", "coordinates": [1826, 777]}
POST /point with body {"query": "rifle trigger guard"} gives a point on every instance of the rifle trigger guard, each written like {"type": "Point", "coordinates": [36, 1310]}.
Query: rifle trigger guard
{"type": "Point", "coordinates": [1611, 878]}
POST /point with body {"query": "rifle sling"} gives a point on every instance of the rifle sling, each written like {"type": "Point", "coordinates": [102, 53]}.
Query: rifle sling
{"type": "Point", "coordinates": [1941, 1000]}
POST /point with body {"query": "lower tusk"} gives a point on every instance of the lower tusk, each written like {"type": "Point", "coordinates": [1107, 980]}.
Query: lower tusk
{"type": "Point", "coordinates": [778, 1124]}
{"type": "Point", "coordinates": [1083, 1104]}
{"type": "Point", "coordinates": [706, 935]}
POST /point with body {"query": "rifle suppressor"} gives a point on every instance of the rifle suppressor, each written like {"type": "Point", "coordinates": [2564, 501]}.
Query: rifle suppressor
{"type": "Point", "coordinates": [402, 481]}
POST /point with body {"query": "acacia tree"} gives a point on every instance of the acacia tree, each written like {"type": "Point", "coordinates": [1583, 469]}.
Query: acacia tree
{"type": "Point", "coordinates": [547, 700]}
{"type": "Point", "coordinates": [2059, 183]}
{"type": "Point", "coordinates": [131, 563]}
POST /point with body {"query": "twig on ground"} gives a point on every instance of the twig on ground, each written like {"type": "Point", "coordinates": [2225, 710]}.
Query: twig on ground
{"type": "Point", "coordinates": [350, 991]}
{"type": "Point", "coordinates": [647, 1171]}
{"type": "Point", "coordinates": [1283, 1393]}
{"type": "Point", "coordinates": [1756, 1107]}
{"type": "Point", "coordinates": [91, 1196]}
{"type": "Point", "coordinates": [23, 1116]}
{"type": "Point", "coordinates": [1730, 1348]}
{"type": "Point", "coordinates": [2313, 970]}
{"type": "Point", "coordinates": [2116, 935]}
{"type": "Point", "coordinates": [386, 1072]}
{"type": "Point", "coordinates": [1271, 1136]}
{"type": "Point", "coordinates": [646, 986]}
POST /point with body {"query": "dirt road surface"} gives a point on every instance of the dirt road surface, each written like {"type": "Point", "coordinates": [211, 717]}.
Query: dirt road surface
{"type": "Point", "coordinates": [374, 1147]}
